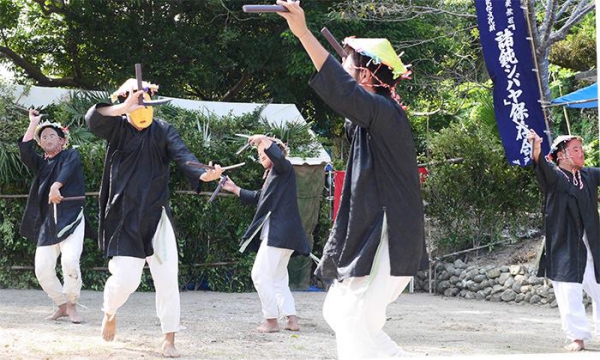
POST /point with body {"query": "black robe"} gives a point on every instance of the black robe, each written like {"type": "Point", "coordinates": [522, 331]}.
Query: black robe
{"type": "Point", "coordinates": [279, 197]}
{"type": "Point", "coordinates": [381, 177]}
{"type": "Point", "coordinates": [568, 212]}
{"type": "Point", "coordinates": [135, 182]}
{"type": "Point", "coordinates": [38, 219]}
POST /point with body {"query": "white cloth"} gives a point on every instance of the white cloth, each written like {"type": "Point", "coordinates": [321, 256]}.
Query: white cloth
{"type": "Point", "coordinates": [356, 310]}
{"type": "Point", "coordinates": [569, 297]}
{"type": "Point", "coordinates": [126, 274]}
{"type": "Point", "coordinates": [271, 279]}
{"type": "Point", "coordinates": [45, 267]}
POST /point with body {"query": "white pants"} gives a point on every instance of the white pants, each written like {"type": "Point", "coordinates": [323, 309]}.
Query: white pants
{"type": "Point", "coordinates": [569, 297]}
{"type": "Point", "coordinates": [45, 267]}
{"type": "Point", "coordinates": [356, 311]}
{"type": "Point", "coordinates": [271, 280]}
{"type": "Point", "coordinates": [126, 274]}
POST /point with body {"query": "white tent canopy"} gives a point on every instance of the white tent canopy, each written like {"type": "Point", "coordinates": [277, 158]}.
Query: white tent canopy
{"type": "Point", "coordinates": [275, 114]}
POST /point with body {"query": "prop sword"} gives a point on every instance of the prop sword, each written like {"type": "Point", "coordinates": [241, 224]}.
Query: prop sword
{"type": "Point", "coordinates": [26, 111]}
{"type": "Point", "coordinates": [223, 177]}
{"type": "Point", "coordinates": [55, 207]}
{"type": "Point", "coordinates": [264, 8]}
{"type": "Point", "coordinates": [333, 42]}
{"type": "Point", "coordinates": [141, 101]}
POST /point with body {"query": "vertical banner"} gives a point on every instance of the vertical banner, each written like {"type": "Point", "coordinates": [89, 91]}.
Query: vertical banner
{"type": "Point", "coordinates": [509, 61]}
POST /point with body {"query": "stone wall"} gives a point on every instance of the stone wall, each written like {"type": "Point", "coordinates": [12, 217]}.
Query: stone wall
{"type": "Point", "coordinates": [515, 284]}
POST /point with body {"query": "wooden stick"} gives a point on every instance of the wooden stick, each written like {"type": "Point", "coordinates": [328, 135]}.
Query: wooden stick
{"type": "Point", "coordinates": [264, 8]}
{"type": "Point", "coordinates": [333, 42]}
{"type": "Point", "coordinates": [208, 167]}
{"type": "Point", "coordinates": [138, 76]}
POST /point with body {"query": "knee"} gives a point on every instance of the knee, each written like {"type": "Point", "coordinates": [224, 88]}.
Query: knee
{"type": "Point", "coordinates": [70, 268]}
{"type": "Point", "coordinates": [256, 278]}
{"type": "Point", "coordinates": [127, 282]}
{"type": "Point", "coordinates": [44, 270]}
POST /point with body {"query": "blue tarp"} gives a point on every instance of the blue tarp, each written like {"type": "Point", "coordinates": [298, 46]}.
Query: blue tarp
{"type": "Point", "coordinates": [576, 99]}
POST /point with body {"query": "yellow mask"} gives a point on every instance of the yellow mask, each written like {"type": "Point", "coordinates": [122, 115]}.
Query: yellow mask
{"type": "Point", "coordinates": [142, 118]}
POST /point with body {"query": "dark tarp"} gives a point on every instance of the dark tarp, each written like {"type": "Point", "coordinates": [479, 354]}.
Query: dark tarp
{"type": "Point", "coordinates": [310, 181]}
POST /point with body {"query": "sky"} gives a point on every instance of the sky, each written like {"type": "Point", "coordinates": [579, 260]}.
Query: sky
{"type": "Point", "coordinates": [4, 73]}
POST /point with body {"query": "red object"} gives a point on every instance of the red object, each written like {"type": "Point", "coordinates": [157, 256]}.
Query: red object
{"type": "Point", "coordinates": [423, 172]}
{"type": "Point", "coordinates": [338, 184]}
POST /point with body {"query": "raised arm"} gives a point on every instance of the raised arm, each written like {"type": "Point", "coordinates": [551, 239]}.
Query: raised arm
{"type": "Point", "coordinates": [128, 106]}
{"type": "Point", "coordinates": [297, 23]}
{"type": "Point", "coordinates": [34, 121]}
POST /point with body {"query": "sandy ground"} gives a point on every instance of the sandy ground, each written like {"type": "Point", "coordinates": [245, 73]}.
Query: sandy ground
{"type": "Point", "coordinates": [220, 326]}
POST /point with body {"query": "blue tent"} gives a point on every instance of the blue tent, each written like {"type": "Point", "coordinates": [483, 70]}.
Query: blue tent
{"type": "Point", "coordinates": [582, 98]}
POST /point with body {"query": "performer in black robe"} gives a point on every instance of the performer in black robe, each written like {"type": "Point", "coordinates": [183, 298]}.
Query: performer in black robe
{"type": "Point", "coordinates": [571, 256]}
{"type": "Point", "coordinates": [58, 227]}
{"type": "Point", "coordinates": [281, 233]}
{"type": "Point", "coordinates": [377, 242]}
{"type": "Point", "coordinates": [135, 218]}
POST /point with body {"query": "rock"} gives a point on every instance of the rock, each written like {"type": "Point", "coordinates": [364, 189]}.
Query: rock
{"type": "Point", "coordinates": [520, 298]}
{"type": "Point", "coordinates": [503, 277]}
{"type": "Point", "coordinates": [504, 268]}
{"type": "Point", "coordinates": [470, 295]}
{"type": "Point", "coordinates": [451, 292]}
{"type": "Point", "coordinates": [497, 289]}
{"type": "Point", "coordinates": [459, 264]}
{"type": "Point", "coordinates": [508, 295]}
{"type": "Point", "coordinates": [480, 278]}
{"type": "Point", "coordinates": [515, 269]}
{"type": "Point", "coordinates": [509, 282]}
{"type": "Point", "coordinates": [535, 299]}
{"type": "Point", "coordinates": [493, 273]}
{"type": "Point", "coordinates": [516, 287]}
{"type": "Point", "coordinates": [480, 295]}
{"type": "Point", "coordinates": [454, 279]}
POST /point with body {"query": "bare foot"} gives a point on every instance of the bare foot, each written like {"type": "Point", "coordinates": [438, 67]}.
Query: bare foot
{"type": "Point", "coordinates": [576, 345]}
{"type": "Point", "coordinates": [73, 314]}
{"type": "Point", "coordinates": [292, 323]}
{"type": "Point", "coordinates": [269, 326]}
{"type": "Point", "coordinates": [61, 312]}
{"type": "Point", "coordinates": [168, 346]}
{"type": "Point", "coordinates": [109, 327]}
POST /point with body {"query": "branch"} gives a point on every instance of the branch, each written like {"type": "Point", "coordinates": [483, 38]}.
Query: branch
{"type": "Point", "coordinates": [35, 73]}
{"type": "Point", "coordinates": [50, 7]}
{"type": "Point", "coordinates": [545, 28]}
{"type": "Point", "coordinates": [232, 93]}
{"type": "Point", "coordinates": [575, 17]}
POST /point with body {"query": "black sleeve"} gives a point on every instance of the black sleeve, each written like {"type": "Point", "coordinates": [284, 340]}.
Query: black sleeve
{"type": "Point", "coordinates": [100, 125]}
{"type": "Point", "coordinates": [343, 94]}
{"type": "Point", "coordinates": [280, 164]}
{"type": "Point", "coordinates": [544, 173]}
{"type": "Point", "coordinates": [180, 154]}
{"type": "Point", "coordinates": [30, 158]}
{"type": "Point", "coordinates": [249, 197]}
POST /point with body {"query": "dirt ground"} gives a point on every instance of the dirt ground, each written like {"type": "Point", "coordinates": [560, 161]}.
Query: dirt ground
{"type": "Point", "coordinates": [219, 326]}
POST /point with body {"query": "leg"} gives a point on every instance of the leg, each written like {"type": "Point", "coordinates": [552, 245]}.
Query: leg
{"type": "Point", "coordinates": [569, 298]}
{"type": "Point", "coordinates": [356, 311]}
{"type": "Point", "coordinates": [164, 266]}
{"type": "Point", "coordinates": [71, 249]}
{"type": "Point", "coordinates": [45, 271]}
{"type": "Point", "coordinates": [281, 285]}
{"type": "Point", "coordinates": [592, 288]}
{"type": "Point", "coordinates": [262, 277]}
{"type": "Point", "coordinates": [126, 274]}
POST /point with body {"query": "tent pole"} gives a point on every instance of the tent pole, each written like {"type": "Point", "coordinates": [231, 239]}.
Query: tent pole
{"type": "Point", "coordinates": [564, 108]}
